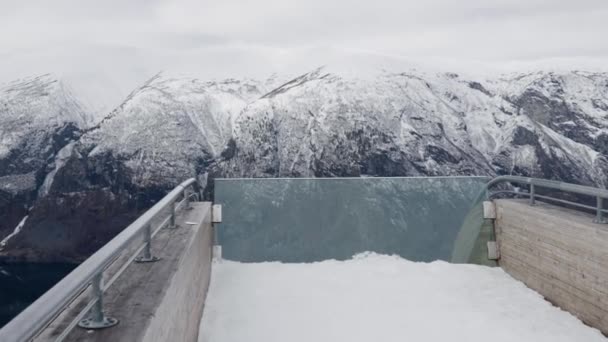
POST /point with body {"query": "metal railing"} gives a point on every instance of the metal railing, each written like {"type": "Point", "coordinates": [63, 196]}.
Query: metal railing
{"type": "Point", "coordinates": [36, 317]}
{"type": "Point", "coordinates": [534, 183]}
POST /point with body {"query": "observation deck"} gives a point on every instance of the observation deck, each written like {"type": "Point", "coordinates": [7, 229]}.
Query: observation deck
{"type": "Point", "coordinates": [332, 259]}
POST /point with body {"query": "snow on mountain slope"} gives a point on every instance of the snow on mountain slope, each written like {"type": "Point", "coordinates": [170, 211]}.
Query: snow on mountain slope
{"type": "Point", "coordinates": [35, 105]}
{"type": "Point", "coordinates": [471, 122]}
{"type": "Point", "coordinates": [337, 122]}
{"type": "Point", "coordinates": [38, 117]}
{"type": "Point", "coordinates": [331, 121]}
{"type": "Point", "coordinates": [169, 128]}
{"type": "Point", "coordinates": [575, 104]}
{"type": "Point", "coordinates": [414, 123]}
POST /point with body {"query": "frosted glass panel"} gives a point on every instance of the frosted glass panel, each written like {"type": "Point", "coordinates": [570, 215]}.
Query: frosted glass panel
{"type": "Point", "coordinates": [305, 220]}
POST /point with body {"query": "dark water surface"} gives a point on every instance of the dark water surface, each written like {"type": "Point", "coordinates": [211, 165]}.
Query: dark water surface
{"type": "Point", "coordinates": [22, 284]}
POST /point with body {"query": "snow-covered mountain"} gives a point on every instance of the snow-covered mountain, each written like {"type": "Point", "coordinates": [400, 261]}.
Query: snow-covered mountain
{"type": "Point", "coordinates": [30, 109]}
{"type": "Point", "coordinates": [324, 124]}
{"type": "Point", "coordinates": [328, 122]}
{"type": "Point", "coordinates": [38, 117]}
{"type": "Point", "coordinates": [172, 128]}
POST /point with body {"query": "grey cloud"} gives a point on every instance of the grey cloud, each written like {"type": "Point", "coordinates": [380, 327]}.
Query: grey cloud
{"type": "Point", "coordinates": [38, 35]}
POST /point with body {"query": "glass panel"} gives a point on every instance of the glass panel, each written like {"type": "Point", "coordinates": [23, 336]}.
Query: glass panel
{"type": "Point", "coordinates": [305, 220]}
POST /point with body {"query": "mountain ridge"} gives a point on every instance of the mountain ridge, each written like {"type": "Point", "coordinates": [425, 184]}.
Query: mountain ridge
{"type": "Point", "coordinates": [323, 123]}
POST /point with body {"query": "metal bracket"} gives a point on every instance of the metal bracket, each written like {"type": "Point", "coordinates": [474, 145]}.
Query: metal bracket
{"type": "Point", "coordinates": [143, 259]}
{"type": "Point", "coordinates": [489, 210]}
{"type": "Point", "coordinates": [97, 319]}
{"type": "Point", "coordinates": [89, 323]}
{"type": "Point", "coordinates": [216, 213]}
{"type": "Point", "coordinates": [493, 252]}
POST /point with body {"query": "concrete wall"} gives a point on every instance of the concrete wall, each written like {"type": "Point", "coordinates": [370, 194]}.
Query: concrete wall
{"type": "Point", "coordinates": [178, 316]}
{"type": "Point", "coordinates": [558, 252]}
{"type": "Point", "coordinates": [159, 301]}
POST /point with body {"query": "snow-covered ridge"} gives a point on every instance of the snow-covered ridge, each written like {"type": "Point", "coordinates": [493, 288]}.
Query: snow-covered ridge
{"type": "Point", "coordinates": [427, 122]}
{"type": "Point", "coordinates": [431, 122]}
{"type": "Point", "coordinates": [469, 119]}
{"type": "Point", "coordinates": [328, 122]}
{"type": "Point", "coordinates": [34, 105]}
{"type": "Point", "coordinates": [42, 97]}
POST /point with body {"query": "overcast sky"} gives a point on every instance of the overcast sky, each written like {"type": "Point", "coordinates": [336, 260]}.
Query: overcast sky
{"type": "Point", "coordinates": [128, 40]}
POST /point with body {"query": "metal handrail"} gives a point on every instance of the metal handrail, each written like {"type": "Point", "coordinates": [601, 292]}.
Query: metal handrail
{"type": "Point", "coordinates": [36, 317]}
{"type": "Point", "coordinates": [599, 194]}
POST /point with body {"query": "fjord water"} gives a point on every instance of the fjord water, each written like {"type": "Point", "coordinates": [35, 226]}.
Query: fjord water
{"type": "Point", "coordinates": [22, 284]}
{"type": "Point", "coordinates": [307, 220]}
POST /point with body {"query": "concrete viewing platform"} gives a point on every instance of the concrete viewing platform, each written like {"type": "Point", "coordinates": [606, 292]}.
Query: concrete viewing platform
{"type": "Point", "coordinates": [550, 283]}
{"type": "Point", "coordinates": [157, 301]}
{"type": "Point", "coordinates": [560, 253]}
{"type": "Point", "coordinates": [548, 255]}
{"type": "Point", "coordinates": [556, 252]}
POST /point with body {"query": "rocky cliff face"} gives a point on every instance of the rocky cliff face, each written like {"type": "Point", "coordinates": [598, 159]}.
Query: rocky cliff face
{"type": "Point", "coordinates": [38, 119]}
{"type": "Point", "coordinates": [78, 183]}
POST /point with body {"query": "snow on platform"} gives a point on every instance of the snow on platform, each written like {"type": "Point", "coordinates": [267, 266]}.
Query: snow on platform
{"type": "Point", "coordinates": [379, 298]}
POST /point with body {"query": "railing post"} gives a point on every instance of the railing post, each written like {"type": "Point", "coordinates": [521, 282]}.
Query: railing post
{"type": "Point", "coordinates": [187, 197]}
{"type": "Point", "coordinates": [532, 192]}
{"type": "Point", "coordinates": [147, 255]}
{"type": "Point", "coordinates": [172, 221]}
{"type": "Point", "coordinates": [599, 216]}
{"type": "Point", "coordinates": [97, 319]}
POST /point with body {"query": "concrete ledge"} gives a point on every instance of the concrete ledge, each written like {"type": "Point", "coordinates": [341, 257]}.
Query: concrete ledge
{"type": "Point", "coordinates": [161, 301]}
{"type": "Point", "coordinates": [559, 253]}
{"type": "Point", "coordinates": [178, 316]}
